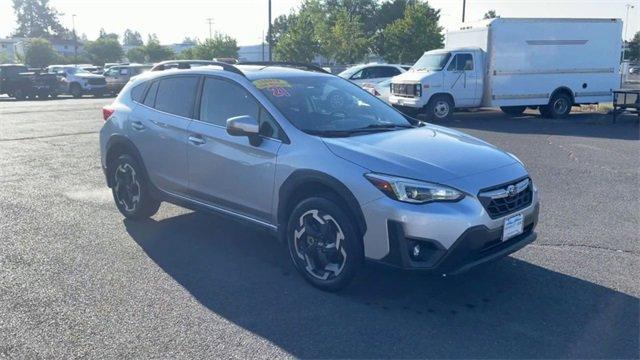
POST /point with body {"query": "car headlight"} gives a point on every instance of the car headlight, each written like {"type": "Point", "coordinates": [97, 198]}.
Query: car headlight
{"type": "Point", "coordinates": [413, 191]}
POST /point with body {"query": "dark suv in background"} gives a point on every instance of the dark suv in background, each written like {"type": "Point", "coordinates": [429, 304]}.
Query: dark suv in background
{"type": "Point", "coordinates": [19, 82]}
{"type": "Point", "coordinates": [118, 76]}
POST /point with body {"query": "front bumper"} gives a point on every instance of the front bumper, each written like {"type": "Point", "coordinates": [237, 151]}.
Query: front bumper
{"type": "Point", "coordinates": [94, 89]}
{"type": "Point", "coordinates": [477, 245]}
{"type": "Point", "coordinates": [408, 102]}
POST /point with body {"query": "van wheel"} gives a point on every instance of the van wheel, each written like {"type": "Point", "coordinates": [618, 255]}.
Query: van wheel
{"type": "Point", "coordinates": [131, 190]}
{"type": "Point", "coordinates": [513, 110]}
{"type": "Point", "coordinates": [559, 106]}
{"type": "Point", "coordinates": [323, 243]}
{"type": "Point", "coordinates": [75, 91]}
{"type": "Point", "coordinates": [440, 107]}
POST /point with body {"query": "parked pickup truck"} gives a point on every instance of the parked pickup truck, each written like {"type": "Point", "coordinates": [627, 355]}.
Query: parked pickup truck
{"type": "Point", "coordinates": [76, 81]}
{"type": "Point", "coordinates": [20, 83]}
{"type": "Point", "coordinates": [548, 64]}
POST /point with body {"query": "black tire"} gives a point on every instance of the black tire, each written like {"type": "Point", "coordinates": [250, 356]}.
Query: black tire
{"type": "Point", "coordinates": [559, 106]}
{"type": "Point", "coordinates": [20, 95]}
{"type": "Point", "coordinates": [75, 90]}
{"type": "Point", "coordinates": [513, 110]}
{"type": "Point", "coordinates": [440, 107]}
{"type": "Point", "coordinates": [313, 255]}
{"type": "Point", "coordinates": [131, 189]}
{"type": "Point", "coordinates": [54, 95]}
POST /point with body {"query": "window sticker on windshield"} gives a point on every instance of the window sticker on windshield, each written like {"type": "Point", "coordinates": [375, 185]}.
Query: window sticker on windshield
{"type": "Point", "coordinates": [271, 83]}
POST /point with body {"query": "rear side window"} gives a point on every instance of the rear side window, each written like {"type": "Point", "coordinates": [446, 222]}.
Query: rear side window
{"type": "Point", "coordinates": [150, 99]}
{"type": "Point", "coordinates": [138, 92]}
{"type": "Point", "coordinates": [388, 71]}
{"type": "Point", "coordinates": [176, 95]}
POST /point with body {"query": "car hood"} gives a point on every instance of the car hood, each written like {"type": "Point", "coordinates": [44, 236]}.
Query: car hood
{"type": "Point", "coordinates": [89, 76]}
{"type": "Point", "coordinates": [412, 76]}
{"type": "Point", "coordinates": [430, 153]}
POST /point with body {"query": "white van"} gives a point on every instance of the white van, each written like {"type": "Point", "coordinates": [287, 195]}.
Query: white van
{"type": "Point", "coordinates": [551, 64]}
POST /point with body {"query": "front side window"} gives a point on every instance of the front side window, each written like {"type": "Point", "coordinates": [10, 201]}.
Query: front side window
{"type": "Point", "coordinates": [461, 62]}
{"type": "Point", "coordinates": [223, 99]}
{"type": "Point", "coordinates": [124, 71]}
{"type": "Point", "coordinates": [330, 106]}
{"type": "Point", "coordinates": [177, 95]}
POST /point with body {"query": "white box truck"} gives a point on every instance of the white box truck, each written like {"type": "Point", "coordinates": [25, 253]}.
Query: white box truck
{"type": "Point", "coordinates": [515, 63]}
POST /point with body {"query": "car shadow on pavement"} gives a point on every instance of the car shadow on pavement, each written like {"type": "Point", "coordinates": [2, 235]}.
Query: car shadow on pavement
{"type": "Point", "coordinates": [508, 309]}
{"type": "Point", "coordinates": [594, 125]}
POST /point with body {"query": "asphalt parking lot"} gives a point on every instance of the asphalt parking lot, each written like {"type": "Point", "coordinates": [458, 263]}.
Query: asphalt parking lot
{"type": "Point", "coordinates": [78, 281]}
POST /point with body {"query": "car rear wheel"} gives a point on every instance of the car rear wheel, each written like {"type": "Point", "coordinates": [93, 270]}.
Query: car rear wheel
{"type": "Point", "coordinates": [440, 107]}
{"type": "Point", "coordinates": [131, 190]}
{"type": "Point", "coordinates": [559, 106]}
{"type": "Point", "coordinates": [19, 94]}
{"type": "Point", "coordinates": [513, 110]}
{"type": "Point", "coordinates": [323, 243]}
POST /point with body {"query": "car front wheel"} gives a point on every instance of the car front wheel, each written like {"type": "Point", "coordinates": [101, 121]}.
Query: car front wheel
{"type": "Point", "coordinates": [323, 243]}
{"type": "Point", "coordinates": [440, 107]}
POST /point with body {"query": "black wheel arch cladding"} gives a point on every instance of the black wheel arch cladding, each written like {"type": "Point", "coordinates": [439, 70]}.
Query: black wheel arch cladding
{"type": "Point", "coordinates": [301, 178]}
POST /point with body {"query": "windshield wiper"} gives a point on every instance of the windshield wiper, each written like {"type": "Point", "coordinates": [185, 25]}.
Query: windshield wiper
{"type": "Point", "coordinates": [380, 127]}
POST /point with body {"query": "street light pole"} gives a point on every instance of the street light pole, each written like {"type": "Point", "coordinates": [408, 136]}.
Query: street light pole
{"type": "Point", "coordinates": [626, 26]}
{"type": "Point", "coordinates": [269, 35]}
{"type": "Point", "coordinates": [75, 39]}
{"type": "Point", "coordinates": [464, 5]}
{"type": "Point", "coordinates": [210, 21]}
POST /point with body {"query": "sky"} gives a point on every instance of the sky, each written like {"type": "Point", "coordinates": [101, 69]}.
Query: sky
{"type": "Point", "coordinates": [246, 20]}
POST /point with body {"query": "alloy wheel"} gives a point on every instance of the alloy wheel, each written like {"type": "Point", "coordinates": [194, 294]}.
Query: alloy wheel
{"type": "Point", "coordinates": [319, 245]}
{"type": "Point", "coordinates": [127, 187]}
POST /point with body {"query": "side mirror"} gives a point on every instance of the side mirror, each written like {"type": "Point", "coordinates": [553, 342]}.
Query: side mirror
{"type": "Point", "coordinates": [245, 125]}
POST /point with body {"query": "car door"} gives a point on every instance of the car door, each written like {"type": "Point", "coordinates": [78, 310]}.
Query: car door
{"type": "Point", "coordinates": [111, 76]}
{"type": "Point", "coordinates": [461, 79]}
{"type": "Point", "coordinates": [227, 171]}
{"type": "Point", "coordinates": [159, 126]}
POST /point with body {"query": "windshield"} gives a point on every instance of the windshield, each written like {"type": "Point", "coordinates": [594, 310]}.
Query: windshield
{"type": "Point", "coordinates": [350, 71]}
{"type": "Point", "coordinates": [330, 106]}
{"type": "Point", "coordinates": [76, 70]}
{"type": "Point", "coordinates": [431, 62]}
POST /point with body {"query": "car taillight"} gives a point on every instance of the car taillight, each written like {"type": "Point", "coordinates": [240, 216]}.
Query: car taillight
{"type": "Point", "coordinates": [107, 112]}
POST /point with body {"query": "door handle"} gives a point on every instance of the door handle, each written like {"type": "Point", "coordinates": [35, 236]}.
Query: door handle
{"type": "Point", "coordinates": [196, 139]}
{"type": "Point", "coordinates": [137, 125]}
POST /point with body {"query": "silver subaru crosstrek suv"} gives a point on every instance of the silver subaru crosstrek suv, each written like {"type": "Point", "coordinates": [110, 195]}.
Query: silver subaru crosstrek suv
{"type": "Point", "coordinates": [336, 173]}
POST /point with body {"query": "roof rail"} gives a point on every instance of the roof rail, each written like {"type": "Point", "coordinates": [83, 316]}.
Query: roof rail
{"type": "Point", "coordinates": [182, 64]}
{"type": "Point", "coordinates": [227, 67]}
{"type": "Point", "coordinates": [296, 65]}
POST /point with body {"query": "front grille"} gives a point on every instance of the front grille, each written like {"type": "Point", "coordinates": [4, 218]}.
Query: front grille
{"type": "Point", "coordinates": [499, 202]}
{"type": "Point", "coordinates": [97, 82]}
{"type": "Point", "coordinates": [404, 89]}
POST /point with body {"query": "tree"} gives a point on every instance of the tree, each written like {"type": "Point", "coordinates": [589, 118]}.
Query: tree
{"type": "Point", "coordinates": [137, 54]}
{"type": "Point", "coordinates": [103, 50]}
{"type": "Point", "coordinates": [490, 15]}
{"type": "Point", "coordinates": [155, 51]}
{"type": "Point", "coordinates": [36, 19]}
{"type": "Point", "coordinates": [105, 35]}
{"type": "Point", "coordinates": [406, 39]}
{"type": "Point", "coordinates": [280, 26]}
{"type": "Point", "coordinates": [633, 53]}
{"type": "Point", "coordinates": [4, 58]}
{"type": "Point", "coordinates": [220, 46]}
{"type": "Point", "coordinates": [39, 53]}
{"type": "Point", "coordinates": [189, 40]}
{"type": "Point", "coordinates": [299, 43]}
{"type": "Point", "coordinates": [132, 38]}
{"type": "Point", "coordinates": [346, 43]}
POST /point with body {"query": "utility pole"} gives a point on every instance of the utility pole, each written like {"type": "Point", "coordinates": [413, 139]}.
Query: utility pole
{"type": "Point", "coordinates": [210, 21]}
{"type": "Point", "coordinates": [75, 39]}
{"type": "Point", "coordinates": [464, 5]}
{"type": "Point", "coordinates": [269, 35]}
{"type": "Point", "coordinates": [262, 42]}
{"type": "Point", "coordinates": [626, 26]}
